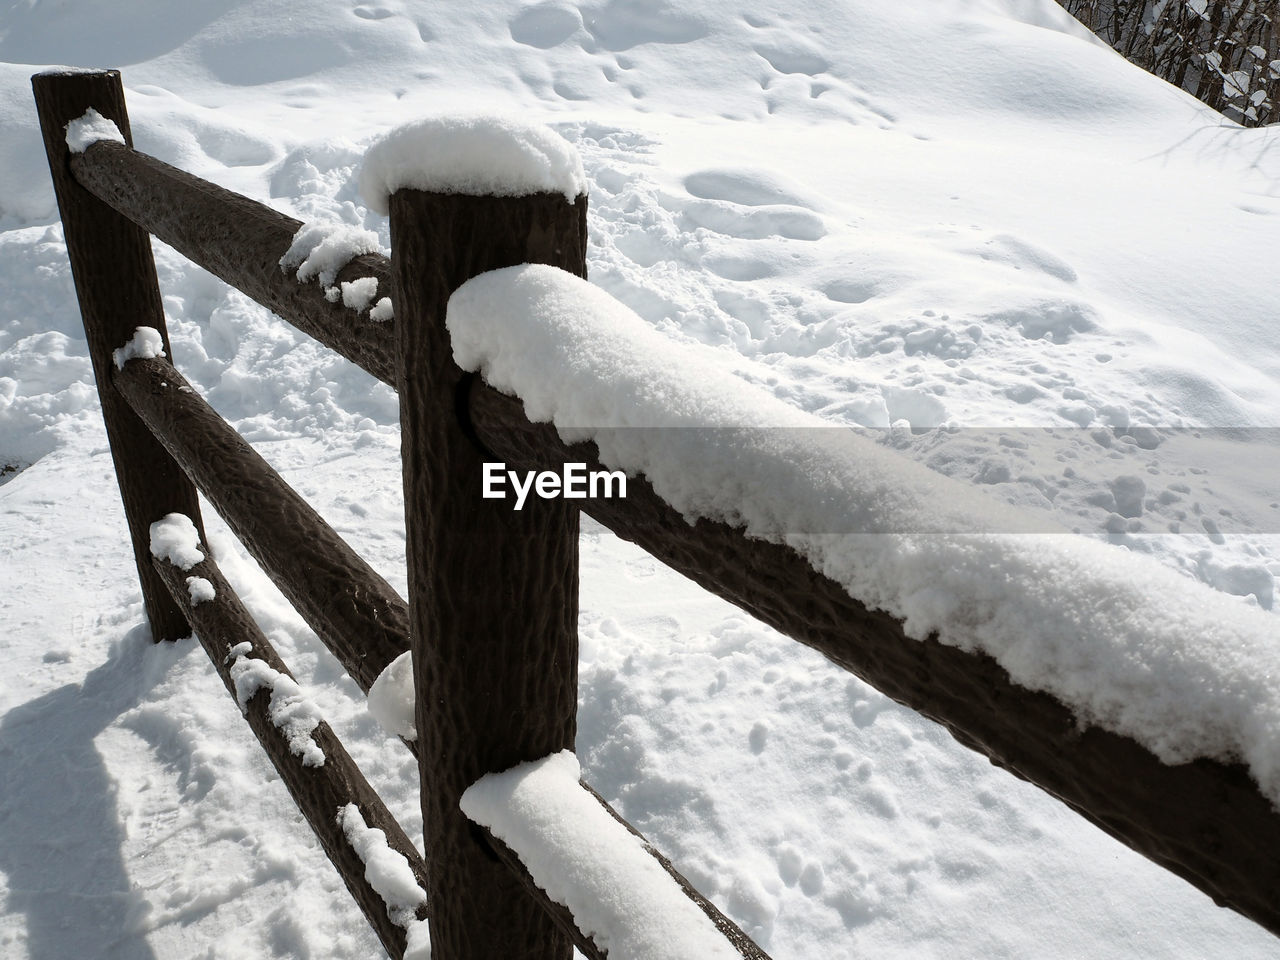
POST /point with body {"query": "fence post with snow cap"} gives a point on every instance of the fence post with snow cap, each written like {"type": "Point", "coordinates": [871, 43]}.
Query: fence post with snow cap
{"type": "Point", "coordinates": [493, 593]}
{"type": "Point", "coordinates": [115, 278]}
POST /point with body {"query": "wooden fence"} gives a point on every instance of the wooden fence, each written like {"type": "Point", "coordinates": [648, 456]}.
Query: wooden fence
{"type": "Point", "coordinates": [493, 593]}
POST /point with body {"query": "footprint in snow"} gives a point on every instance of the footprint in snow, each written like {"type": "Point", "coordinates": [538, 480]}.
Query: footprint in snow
{"type": "Point", "coordinates": [746, 186]}
{"type": "Point", "coordinates": [546, 25]}
{"type": "Point", "coordinates": [1054, 320]}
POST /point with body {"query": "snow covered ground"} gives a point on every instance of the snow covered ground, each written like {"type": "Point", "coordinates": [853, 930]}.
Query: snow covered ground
{"type": "Point", "coordinates": [1054, 273]}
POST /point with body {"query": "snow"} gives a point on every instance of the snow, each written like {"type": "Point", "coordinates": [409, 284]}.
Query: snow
{"type": "Point", "coordinates": [146, 343]}
{"type": "Point", "coordinates": [481, 155]}
{"type": "Point", "coordinates": [358, 294]}
{"type": "Point", "coordinates": [418, 941]}
{"type": "Point", "coordinates": [175, 538]}
{"type": "Point", "coordinates": [391, 698]}
{"type": "Point", "coordinates": [82, 133]}
{"type": "Point", "coordinates": [619, 895]}
{"type": "Point", "coordinates": [382, 310]}
{"type": "Point", "coordinates": [967, 219]}
{"type": "Point", "coordinates": [200, 590]}
{"type": "Point", "coordinates": [320, 250]}
{"type": "Point", "coordinates": [290, 710]}
{"type": "Point", "coordinates": [387, 871]}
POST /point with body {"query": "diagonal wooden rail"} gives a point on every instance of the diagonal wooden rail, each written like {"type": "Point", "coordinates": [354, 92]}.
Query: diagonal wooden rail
{"type": "Point", "coordinates": [222, 625]}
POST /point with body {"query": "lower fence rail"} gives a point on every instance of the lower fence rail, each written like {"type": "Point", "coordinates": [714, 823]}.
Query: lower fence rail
{"type": "Point", "coordinates": [243, 658]}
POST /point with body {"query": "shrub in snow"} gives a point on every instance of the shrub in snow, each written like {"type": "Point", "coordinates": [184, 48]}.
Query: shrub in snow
{"type": "Point", "coordinates": [1224, 52]}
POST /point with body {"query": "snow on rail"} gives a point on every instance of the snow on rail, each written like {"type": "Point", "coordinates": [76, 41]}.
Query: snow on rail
{"type": "Point", "coordinates": [200, 590]}
{"type": "Point", "coordinates": [618, 893]}
{"type": "Point", "coordinates": [391, 698]}
{"type": "Point", "coordinates": [87, 130]}
{"type": "Point", "coordinates": [175, 538]}
{"type": "Point", "coordinates": [292, 713]}
{"type": "Point", "coordinates": [321, 250]}
{"type": "Point", "coordinates": [145, 344]}
{"type": "Point", "coordinates": [479, 155]}
{"type": "Point", "coordinates": [1128, 644]}
{"type": "Point", "coordinates": [391, 878]}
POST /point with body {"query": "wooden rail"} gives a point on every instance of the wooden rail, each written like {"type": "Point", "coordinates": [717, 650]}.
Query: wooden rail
{"type": "Point", "coordinates": [361, 619]}
{"type": "Point", "coordinates": [223, 624]}
{"type": "Point", "coordinates": [493, 593]}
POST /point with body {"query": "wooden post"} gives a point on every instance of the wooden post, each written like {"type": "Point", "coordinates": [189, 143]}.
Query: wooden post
{"type": "Point", "coordinates": [115, 278]}
{"type": "Point", "coordinates": [493, 593]}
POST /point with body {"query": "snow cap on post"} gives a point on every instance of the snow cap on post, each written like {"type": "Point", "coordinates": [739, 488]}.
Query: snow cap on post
{"type": "Point", "coordinates": [479, 155]}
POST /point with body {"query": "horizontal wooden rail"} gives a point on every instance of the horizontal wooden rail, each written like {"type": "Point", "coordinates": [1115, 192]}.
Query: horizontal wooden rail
{"type": "Point", "coordinates": [240, 241]}
{"type": "Point", "coordinates": [355, 612]}
{"type": "Point", "coordinates": [1205, 821]}
{"type": "Point", "coordinates": [563, 918]}
{"type": "Point", "coordinates": [319, 791]}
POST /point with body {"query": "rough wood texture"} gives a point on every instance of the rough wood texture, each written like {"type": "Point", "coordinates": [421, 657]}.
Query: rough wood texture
{"type": "Point", "coordinates": [351, 608]}
{"type": "Point", "coordinates": [319, 791]}
{"type": "Point", "coordinates": [1204, 821]}
{"type": "Point", "coordinates": [115, 279]}
{"type": "Point", "coordinates": [241, 241]}
{"type": "Point", "coordinates": [493, 593]}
